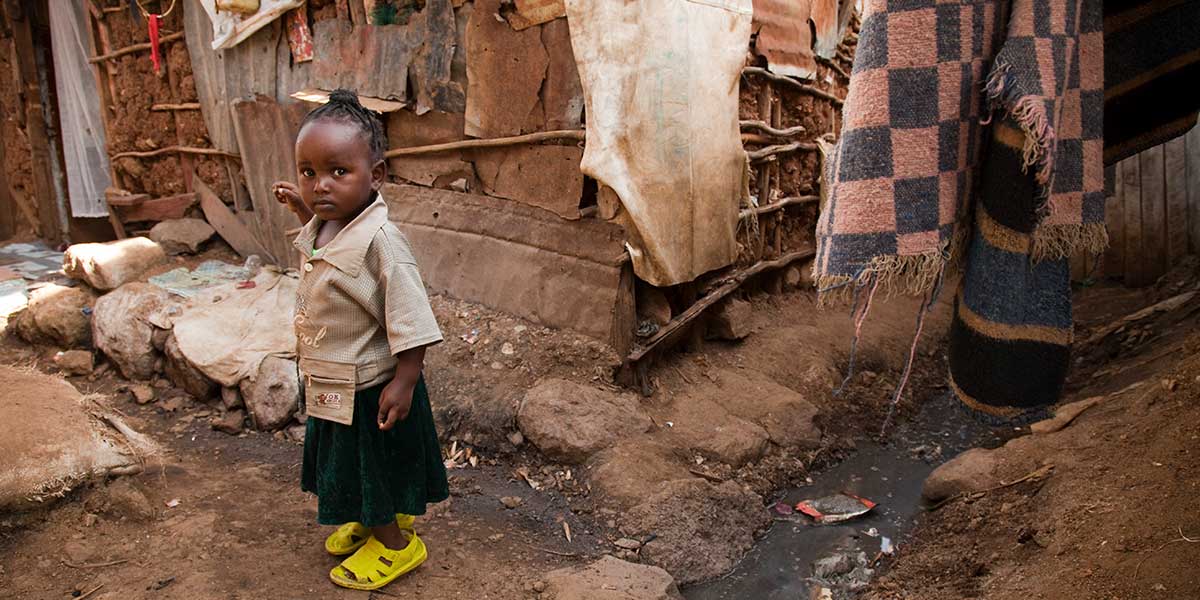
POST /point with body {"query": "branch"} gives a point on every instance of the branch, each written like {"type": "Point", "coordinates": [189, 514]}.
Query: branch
{"type": "Point", "coordinates": [803, 87]}
{"type": "Point", "coordinates": [531, 138]}
{"type": "Point", "coordinates": [178, 35]}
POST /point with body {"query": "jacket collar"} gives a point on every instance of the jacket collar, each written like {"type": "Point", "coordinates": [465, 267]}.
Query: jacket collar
{"type": "Point", "coordinates": [347, 250]}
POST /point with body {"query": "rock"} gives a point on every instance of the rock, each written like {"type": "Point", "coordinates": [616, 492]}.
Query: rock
{"type": "Point", "coordinates": [970, 471]}
{"type": "Point", "coordinates": [121, 498]}
{"type": "Point", "coordinates": [184, 374]}
{"type": "Point", "coordinates": [230, 422]}
{"type": "Point", "coordinates": [1064, 415]}
{"type": "Point", "coordinates": [611, 579]}
{"type": "Point", "coordinates": [142, 394]}
{"type": "Point", "coordinates": [690, 514]}
{"type": "Point", "coordinates": [731, 320]}
{"type": "Point", "coordinates": [273, 395]}
{"type": "Point", "coordinates": [90, 519]}
{"type": "Point", "coordinates": [158, 338]}
{"type": "Point", "coordinates": [627, 544]}
{"type": "Point", "coordinates": [507, 349]}
{"type": "Point", "coordinates": [511, 502]}
{"type": "Point", "coordinates": [122, 330]}
{"type": "Point", "coordinates": [515, 438]}
{"type": "Point", "coordinates": [807, 281]}
{"type": "Point", "coordinates": [74, 362]}
{"type": "Point", "coordinates": [231, 398]}
{"type": "Point", "coordinates": [787, 417]}
{"type": "Point", "coordinates": [295, 432]}
{"type": "Point", "coordinates": [161, 384]}
{"type": "Point", "coordinates": [177, 402]}
{"type": "Point", "coordinates": [110, 265]}
{"type": "Point", "coordinates": [653, 306]}
{"type": "Point", "coordinates": [57, 315]}
{"type": "Point", "coordinates": [181, 236]}
{"type": "Point", "coordinates": [621, 475]}
{"type": "Point", "coordinates": [791, 278]}
{"type": "Point", "coordinates": [570, 422]}
{"type": "Point", "coordinates": [832, 566]}
{"type": "Point", "coordinates": [706, 427]}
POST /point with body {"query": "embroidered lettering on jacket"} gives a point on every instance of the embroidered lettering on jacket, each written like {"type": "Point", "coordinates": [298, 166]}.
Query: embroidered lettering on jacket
{"type": "Point", "coordinates": [304, 330]}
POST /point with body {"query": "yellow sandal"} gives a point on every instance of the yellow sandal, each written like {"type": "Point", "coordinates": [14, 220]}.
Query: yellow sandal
{"type": "Point", "coordinates": [350, 537]}
{"type": "Point", "coordinates": [375, 565]}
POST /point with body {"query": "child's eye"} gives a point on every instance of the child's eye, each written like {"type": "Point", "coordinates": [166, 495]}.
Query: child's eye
{"type": "Point", "coordinates": [339, 172]}
{"type": "Point", "coordinates": [307, 172]}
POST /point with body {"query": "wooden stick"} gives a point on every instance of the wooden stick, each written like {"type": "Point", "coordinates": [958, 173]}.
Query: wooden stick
{"type": "Point", "coordinates": [767, 129]}
{"type": "Point", "coordinates": [170, 37]}
{"type": "Point", "coordinates": [170, 149]}
{"type": "Point", "coordinates": [808, 89]}
{"type": "Point", "coordinates": [93, 591]}
{"type": "Point", "coordinates": [95, 565]}
{"type": "Point", "coordinates": [769, 151]}
{"type": "Point", "coordinates": [832, 65]}
{"type": "Point", "coordinates": [774, 206]}
{"type": "Point", "coordinates": [734, 282]}
{"type": "Point", "coordinates": [531, 138]}
{"type": "Point", "coordinates": [183, 106]}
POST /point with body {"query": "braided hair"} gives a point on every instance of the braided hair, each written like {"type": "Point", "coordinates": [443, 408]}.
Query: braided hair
{"type": "Point", "coordinates": [344, 106]}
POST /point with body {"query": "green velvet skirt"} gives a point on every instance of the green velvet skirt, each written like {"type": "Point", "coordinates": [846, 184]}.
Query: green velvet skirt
{"type": "Point", "coordinates": [362, 474]}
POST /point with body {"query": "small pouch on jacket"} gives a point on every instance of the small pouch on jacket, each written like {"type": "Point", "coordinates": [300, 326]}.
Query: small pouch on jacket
{"type": "Point", "coordinates": [328, 390]}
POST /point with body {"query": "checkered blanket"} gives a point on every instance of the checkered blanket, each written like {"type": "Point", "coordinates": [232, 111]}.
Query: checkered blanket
{"type": "Point", "coordinates": [961, 116]}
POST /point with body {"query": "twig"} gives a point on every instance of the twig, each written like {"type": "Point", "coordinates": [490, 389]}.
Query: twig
{"type": "Point", "coordinates": [183, 106]}
{"type": "Point", "coordinates": [178, 35]}
{"type": "Point", "coordinates": [769, 151]}
{"type": "Point", "coordinates": [1181, 538]}
{"type": "Point", "coordinates": [170, 149]}
{"type": "Point", "coordinates": [707, 476]}
{"type": "Point", "coordinates": [767, 129]}
{"type": "Point", "coordinates": [777, 205]}
{"type": "Point", "coordinates": [803, 87]}
{"type": "Point", "coordinates": [92, 591]}
{"type": "Point", "coordinates": [543, 136]}
{"type": "Point", "coordinates": [94, 565]}
{"type": "Point", "coordinates": [554, 552]}
{"type": "Point", "coordinates": [1035, 474]}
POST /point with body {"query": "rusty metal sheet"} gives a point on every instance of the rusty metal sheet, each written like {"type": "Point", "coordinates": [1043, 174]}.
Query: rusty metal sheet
{"type": "Point", "coordinates": [505, 72]}
{"type": "Point", "coordinates": [543, 176]}
{"type": "Point", "coordinates": [826, 24]}
{"type": "Point", "coordinates": [562, 93]}
{"type": "Point", "coordinates": [406, 129]}
{"type": "Point", "coordinates": [784, 37]}
{"type": "Point", "coordinates": [384, 57]}
{"type": "Point", "coordinates": [535, 12]}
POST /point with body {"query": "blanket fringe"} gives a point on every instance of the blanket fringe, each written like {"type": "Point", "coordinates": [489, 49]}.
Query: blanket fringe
{"type": "Point", "coordinates": [1030, 113]}
{"type": "Point", "coordinates": [910, 275]}
{"type": "Point", "coordinates": [1054, 242]}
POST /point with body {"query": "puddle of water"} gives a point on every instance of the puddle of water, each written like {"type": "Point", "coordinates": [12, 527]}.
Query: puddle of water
{"type": "Point", "coordinates": [780, 564]}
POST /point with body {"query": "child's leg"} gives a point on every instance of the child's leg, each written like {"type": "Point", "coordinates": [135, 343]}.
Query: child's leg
{"type": "Point", "coordinates": [391, 535]}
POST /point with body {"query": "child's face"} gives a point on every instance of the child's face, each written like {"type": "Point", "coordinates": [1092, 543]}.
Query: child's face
{"type": "Point", "coordinates": [337, 176]}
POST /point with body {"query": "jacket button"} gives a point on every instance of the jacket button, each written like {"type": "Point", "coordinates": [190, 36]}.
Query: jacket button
{"type": "Point", "coordinates": [308, 267]}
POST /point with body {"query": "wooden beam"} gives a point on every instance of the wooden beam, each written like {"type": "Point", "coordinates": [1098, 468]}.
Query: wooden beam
{"type": "Point", "coordinates": [531, 138]}
{"type": "Point", "coordinates": [227, 224]}
{"type": "Point", "coordinates": [182, 106]}
{"type": "Point", "coordinates": [97, 31]}
{"type": "Point", "coordinates": [45, 194]}
{"type": "Point", "coordinates": [770, 151]}
{"type": "Point", "coordinates": [778, 205]}
{"type": "Point", "coordinates": [170, 37]}
{"type": "Point", "coordinates": [771, 131]}
{"type": "Point", "coordinates": [732, 283]}
{"type": "Point", "coordinates": [170, 149]}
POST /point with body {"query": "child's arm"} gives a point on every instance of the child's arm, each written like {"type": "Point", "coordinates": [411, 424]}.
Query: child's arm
{"type": "Point", "coordinates": [396, 399]}
{"type": "Point", "coordinates": [287, 193]}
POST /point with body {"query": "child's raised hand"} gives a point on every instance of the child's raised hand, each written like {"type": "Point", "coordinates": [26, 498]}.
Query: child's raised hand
{"type": "Point", "coordinates": [288, 194]}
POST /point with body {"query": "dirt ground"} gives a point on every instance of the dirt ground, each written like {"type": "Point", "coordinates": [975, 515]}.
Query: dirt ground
{"type": "Point", "coordinates": [1115, 518]}
{"type": "Point", "coordinates": [220, 516]}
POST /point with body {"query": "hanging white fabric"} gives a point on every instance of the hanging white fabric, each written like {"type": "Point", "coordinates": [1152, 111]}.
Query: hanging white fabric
{"type": "Point", "coordinates": [83, 142]}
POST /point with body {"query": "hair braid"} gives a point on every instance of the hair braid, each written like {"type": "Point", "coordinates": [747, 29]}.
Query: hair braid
{"type": "Point", "coordinates": [344, 106]}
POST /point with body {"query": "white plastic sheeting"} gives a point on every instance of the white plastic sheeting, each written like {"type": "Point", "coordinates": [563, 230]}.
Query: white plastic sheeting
{"type": "Point", "coordinates": [660, 81]}
{"type": "Point", "coordinates": [83, 142]}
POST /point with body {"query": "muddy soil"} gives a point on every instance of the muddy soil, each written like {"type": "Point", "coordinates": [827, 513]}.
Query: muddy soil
{"type": "Point", "coordinates": [1116, 517]}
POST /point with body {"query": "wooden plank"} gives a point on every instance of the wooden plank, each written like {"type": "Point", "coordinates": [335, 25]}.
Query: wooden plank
{"type": "Point", "coordinates": [1192, 145]}
{"type": "Point", "coordinates": [1154, 213]}
{"type": "Point", "coordinates": [227, 225]}
{"type": "Point", "coordinates": [266, 134]}
{"type": "Point", "coordinates": [1175, 178]}
{"type": "Point", "coordinates": [44, 193]}
{"type": "Point", "coordinates": [157, 209]}
{"type": "Point", "coordinates": [8, 212]}
{"type": "Point", "coordinates": [1129, 170]}
{"type": "Point", "coordinates": [1114, 217]}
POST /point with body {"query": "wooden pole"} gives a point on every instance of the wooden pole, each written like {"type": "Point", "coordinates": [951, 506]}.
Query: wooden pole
{"type": "Point", "coordinates": [531, 138]}
{"type": "Point", "coordinates": [171, 37]}
{"type": "Point", "coordinates": [170, 149]}
{"type": "Point", "coordinates": [95, 22]}
{"type": "Point", "coordinates": [187, 163]}
{"type": "Point", "coordinates": [808, 89]}
{"type": "Point", "coordinates": [29, 91]}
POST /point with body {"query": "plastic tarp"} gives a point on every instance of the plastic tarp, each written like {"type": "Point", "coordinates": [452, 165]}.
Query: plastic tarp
{"type": "Point", "coordinates": [227, 331]}
{"type": "Point", "coordinates": [83, 133]}
{"type": "Point", "coordinates": [660, 82]}
{"type": "Point", "coordinates": [231, 29]}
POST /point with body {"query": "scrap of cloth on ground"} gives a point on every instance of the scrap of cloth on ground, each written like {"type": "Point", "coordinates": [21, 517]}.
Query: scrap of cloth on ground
{"type": "Point", "coordinates": [973, 133]}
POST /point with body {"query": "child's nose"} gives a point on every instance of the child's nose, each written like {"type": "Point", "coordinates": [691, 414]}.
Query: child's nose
{"type": "Point", "coordinates": [321, 185]}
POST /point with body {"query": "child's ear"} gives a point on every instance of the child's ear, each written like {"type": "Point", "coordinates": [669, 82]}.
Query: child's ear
{"type": "Point", "coordinates": [378, 175]}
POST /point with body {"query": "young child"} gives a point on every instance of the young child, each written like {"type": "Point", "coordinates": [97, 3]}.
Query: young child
{"type": "Point", "coordinates": [363, 321]}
